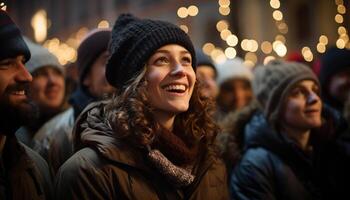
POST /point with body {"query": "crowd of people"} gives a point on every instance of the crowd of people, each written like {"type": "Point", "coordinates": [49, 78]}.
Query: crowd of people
{"type": "Point", "coordinates": [152, 117]}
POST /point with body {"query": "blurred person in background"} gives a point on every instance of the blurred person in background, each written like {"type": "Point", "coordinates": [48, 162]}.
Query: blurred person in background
{"type": "Point", "coordinates": [206, 73]}
{"type": "Point", "coordinates": [286, 145]}
{"type": "Point", "coordinates": [24, 175]}
{"type": "Point", "coordinates": [47, 90]}
{"type": "Point", "coordinates": [154, 139]}
{"type": "Point", "coordinates": [56, 138]}
{"type": "Point", "coordinates": [335, 77]}
{"type": "Point", "coordinates": [235, 92]}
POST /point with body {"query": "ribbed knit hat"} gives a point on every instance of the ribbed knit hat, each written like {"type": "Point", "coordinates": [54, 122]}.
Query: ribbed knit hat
{"type": "Point", "coordinates": [203, 59]}
{"type": "Point", "coordinates": [94, 43]}
{"type": "Point", "coordinates": [12, 43]}
{"type": "Point", "coordinates": [133, 43]}
{"type": "Point", "coordinates": [273, 81]}
{"type": "Point", "coordinates": [41, 57]}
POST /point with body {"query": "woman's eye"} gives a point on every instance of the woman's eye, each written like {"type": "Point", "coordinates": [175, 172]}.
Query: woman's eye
{"type": "Point", "coordinates": [187, 60]}
{"type": "Point", "coordinates": [161, 60]}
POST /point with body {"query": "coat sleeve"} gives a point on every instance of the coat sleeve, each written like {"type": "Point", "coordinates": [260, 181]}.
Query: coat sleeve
{"type": "Point", "coordinates": [253, 178]}
{"type": "Point", "coordinates": [80, 178]}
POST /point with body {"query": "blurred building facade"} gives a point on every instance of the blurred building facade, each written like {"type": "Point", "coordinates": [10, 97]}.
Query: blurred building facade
{"type": "Point", "coordinates": [252, 29]}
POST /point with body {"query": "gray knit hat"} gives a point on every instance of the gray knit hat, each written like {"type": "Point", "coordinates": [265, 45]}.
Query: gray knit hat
{"type": "Point", "coordinates": [41, 57]}
{"type": "Point", "coordinates": [273, 81]}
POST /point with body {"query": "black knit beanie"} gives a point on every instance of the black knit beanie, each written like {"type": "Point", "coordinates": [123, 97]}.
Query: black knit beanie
{"type": "Point", "coordinates": [133, 43]}
{"type": "Point", "coordinates": [12, 43]}
{"type": "Point", "coordinates": [203, 59]}
{"type": "Point", "coordinates": [273, 81]}
{"type": "Point", "coordinates": [95, 43]}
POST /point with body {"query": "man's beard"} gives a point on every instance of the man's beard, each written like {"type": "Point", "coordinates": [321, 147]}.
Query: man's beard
{"type": "Point", "coordinates": [15, 114]}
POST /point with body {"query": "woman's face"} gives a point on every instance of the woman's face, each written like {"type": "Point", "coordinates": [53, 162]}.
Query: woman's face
{"type": "Point", "coordinates": [302, 109]}
{"type": "Point", "coordinates": [170, 78]}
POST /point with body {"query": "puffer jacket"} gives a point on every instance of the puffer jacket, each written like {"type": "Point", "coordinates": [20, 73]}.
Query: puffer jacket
{"type": "Point", "coordinates": [274, 167]}
{"type": "Point", "coordinates": [24, 175]}
{"type": "Point", "coordinates": [106, 168]}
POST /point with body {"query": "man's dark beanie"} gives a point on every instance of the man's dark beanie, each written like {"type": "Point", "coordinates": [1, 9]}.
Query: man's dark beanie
{"type": "Point", "coordinates": [333, 61]}
{"type": "Point", "coordinates": [95, 43]}
{"type": "Point", "coordinates": [133, 43]}
{"type": "Point", "coordinates": [12, 43]}
{"type": "Point", "coordinates": [203, 59]}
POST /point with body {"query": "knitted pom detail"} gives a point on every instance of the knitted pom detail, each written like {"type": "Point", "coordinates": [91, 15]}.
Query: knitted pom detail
{"type": "Point", "coordinates": [123, 20]}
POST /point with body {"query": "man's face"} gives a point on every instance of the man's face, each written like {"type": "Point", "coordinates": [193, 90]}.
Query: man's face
{"type": "Point", "coordinates": [95, 80]}
{"type": "Point", "coordinates": [15, 108]}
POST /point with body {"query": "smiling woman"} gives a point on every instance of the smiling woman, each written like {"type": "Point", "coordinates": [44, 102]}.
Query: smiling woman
{"type": "Point", "coordinates": [154, 139]}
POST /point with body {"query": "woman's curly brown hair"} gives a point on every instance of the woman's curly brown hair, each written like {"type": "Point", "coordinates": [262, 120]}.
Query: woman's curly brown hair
{"type": "Point", "coordinates": [132, 119]}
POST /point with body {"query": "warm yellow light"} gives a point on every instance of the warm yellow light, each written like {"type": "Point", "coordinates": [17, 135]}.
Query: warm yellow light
{"type": "Point", "coordinates": [341, 30]}
{"type": "Point", "coordinates": [103, 24]}
{"type": "Point", "coordinates": [222, 25]}
{"type": "Point", "coordinates": [253, 45]}
{"type": "Point", "coordinates": [230, 52]}
{"type": "Point", "coordinates": [323, 40]}
{"type": "Point", "coordinates": [39, 24]}
{"type": "Point", "coordinates": [218, 55]}
{"type": "Point", "coordinates": [279, 48]}
{"type": "Point", "coordinates": [307, 54]}
{"type": "Point", "coordinates": [224, 3]}
{"type": "Point", "coordinates": [184, 28]}
{"type": "Point", "coordinates": [344, 37]}
{"type": "Point", "coordinates": [182, 12]}
{"type": "Point", "coordinates": [339, 2]}
{"type": "Point", "coordinates": [268, 59]}
{"type": "Point", "coordinates": [338, 18]}
{"type": "Point", "coordinates": [282, 27]}
{"type": "Point", "coordinates": [275, 4]}
{"type": "Point", "coordinates": [81, 33]}
{"type": "Point", "coordinates": [266, 47]}
{"type": "Point", "coordinates": [224, 11]}
{"type": "Point", "coordinates": [277, 15]}
{"type": "Point", "coordinates": [208, 48]}
{"type": "Point", "coordinates": [225, 33]}
{"type": "Point", "coordinates": [232, 40]}
{"type": "Point", "coordinates": [249, 63]}
{"type": "Point", "coordinates": [244, 44]}
{"type": "Point", "coordinates": [341, 9]}
{"type": "Point", "coordinates": [280, 38]}
{"type": "Point", "coordinates": [193, 10]}
{"type": "Point", "coordinates": [321, 48]}
{"type": "Point", "coordinates": [251, 56]}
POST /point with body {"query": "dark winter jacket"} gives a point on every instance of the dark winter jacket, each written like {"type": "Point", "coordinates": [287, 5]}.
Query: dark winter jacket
{"type": "Point", "coordinates": [273, 167]}
{"type": "Point", "coordinates": [24, 175]}
{"type": "Point", "coordinates": [106, 168]}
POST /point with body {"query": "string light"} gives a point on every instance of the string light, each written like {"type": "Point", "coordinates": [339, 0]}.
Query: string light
{"type": "Point", "coordinates": [230, 52]}
{"type": "Point", "coordinates": [184, 28]}
{"type": "Point", "coordinates": [103, 24]}
{"type": "Point", "coordinates": [192, 10]}
{"type": "Point", "coordinates": [208, 48]}
{"type": "Point", "coordinates": [182, 12]}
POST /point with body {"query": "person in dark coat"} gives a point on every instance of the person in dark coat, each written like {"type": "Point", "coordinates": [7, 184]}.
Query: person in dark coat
{"type": "Point", "coordinates": [23, 173]}
{"type": "Point", "coordinates": [287, 141]}
{"type": "Point", "coordinates": [154, 140]}
{"type": "Point", "coordinates": [55, 136]}
{"type": "Point", "coordinates": [335, 77]}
